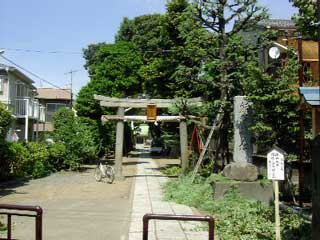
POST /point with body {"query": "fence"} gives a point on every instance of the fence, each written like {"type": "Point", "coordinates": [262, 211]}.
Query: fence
{"type": "Point", "coordinates": [22, 211]}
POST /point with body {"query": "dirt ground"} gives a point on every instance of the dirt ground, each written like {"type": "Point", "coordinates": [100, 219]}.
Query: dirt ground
{"type": "Point", "coordinates": [75, 205]}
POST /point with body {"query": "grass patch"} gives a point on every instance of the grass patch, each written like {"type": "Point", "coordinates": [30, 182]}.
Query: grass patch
{"type": "Point", "coordinates": [171, 170]}
{"type": "Point", "coordinates": [236, 218]}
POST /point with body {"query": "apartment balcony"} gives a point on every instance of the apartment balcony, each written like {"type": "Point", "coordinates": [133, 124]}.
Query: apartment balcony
{"type": "Point", "coordinates": [27, 108]}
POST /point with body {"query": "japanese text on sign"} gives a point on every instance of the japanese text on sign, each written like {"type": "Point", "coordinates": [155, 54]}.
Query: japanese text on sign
{"type": "Point", "coordinates": [275, 165]}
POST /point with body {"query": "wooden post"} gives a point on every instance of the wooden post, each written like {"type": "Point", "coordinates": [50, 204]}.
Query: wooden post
{"type": "Point", "coordinates": [184, 145]}
{"type": "Point", "coordinates": [275, 165]}
{"type": "Point", "coordinates": [276, 205]}
{"type": "Point", "coordinates": [315, 121]}
{"type": "Point", "coordinates": [119, 146]}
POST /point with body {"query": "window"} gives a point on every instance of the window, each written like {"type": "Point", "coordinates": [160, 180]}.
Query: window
{"type": "Point", "coordinates": [52, 108]}
{"type": "Point", "coordinates": [21, 90]}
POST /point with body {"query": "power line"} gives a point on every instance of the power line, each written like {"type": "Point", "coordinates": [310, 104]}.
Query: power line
{"type": "Point", "coordinates": [160, 50]}
{"type": "Point", "coordinates": [41, 51]}
{"type": "Point", "coordinates": [31, 73]}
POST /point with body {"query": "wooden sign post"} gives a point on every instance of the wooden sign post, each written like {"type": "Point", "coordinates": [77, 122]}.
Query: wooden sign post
{"type": "Point", "coordinates": [275, 164]}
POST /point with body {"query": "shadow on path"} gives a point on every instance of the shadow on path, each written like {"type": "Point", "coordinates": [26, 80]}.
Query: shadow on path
{"type": "Point", "coordinates": [8, 187]}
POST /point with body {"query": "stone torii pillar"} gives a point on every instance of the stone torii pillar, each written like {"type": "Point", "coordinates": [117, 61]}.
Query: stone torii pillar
{"type": "Point", "coordinates": [119, 145]}
{"type": "Point", "coordinates": [184, 145]}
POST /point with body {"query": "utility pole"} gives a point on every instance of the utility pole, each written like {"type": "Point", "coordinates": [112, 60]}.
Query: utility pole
{"type": "Point", "coordinates": [71, 72]}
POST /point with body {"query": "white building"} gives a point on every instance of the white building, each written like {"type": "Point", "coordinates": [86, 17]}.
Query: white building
{"type": "Point", "coordinates": [18, 94]}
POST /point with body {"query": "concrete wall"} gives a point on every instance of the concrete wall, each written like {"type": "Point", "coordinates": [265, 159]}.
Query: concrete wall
{"type": "Point", "coordinates": [250, 190]}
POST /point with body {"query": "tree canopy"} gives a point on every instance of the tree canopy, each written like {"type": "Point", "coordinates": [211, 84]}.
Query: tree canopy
{"type": "Point", "coordinates": [305, 17]}
{"type": "Point", "coordinates": [226, 66]}
{"type": "Point", "coordinates": [114, 72]}
{"type": "Point", "coordinates": [173, 46]}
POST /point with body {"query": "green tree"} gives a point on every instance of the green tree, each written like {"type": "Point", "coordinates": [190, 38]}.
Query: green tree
{"type": "Point", "coordinates": [114, 72]}
{"type": "Point", "coordinates": [226, 61]}
{"type": "Point", "coordinates": [275, 101]}
{"type": "Point", "coordinates": [189, 44]}
{"type": "Point", "coordinates": [147, 33]}
{"type": "Point", "coordinates": [5, 122]}
{"type": "Point", "coordinates": [78, 135]}
{"type": "Point", "coordinates": [306, 15]}
{"type": "Point", "coordinates": [144, 31]}
{"type": "Point", "coordinates": [173, 46]}
{"type": "Point", "coordinates": [115, 69]}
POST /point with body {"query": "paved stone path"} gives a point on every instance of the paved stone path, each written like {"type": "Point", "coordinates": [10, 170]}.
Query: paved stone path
{"type": "Point", "coordinates": [148, 198]}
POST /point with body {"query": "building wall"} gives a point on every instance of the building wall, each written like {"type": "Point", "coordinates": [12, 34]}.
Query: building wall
{"type": "Point", "coordinates": [45, 103]}
{"type": "Point", "coordinates": [8, 96]}
{"type": "Point", "coordinates": [3, 93]}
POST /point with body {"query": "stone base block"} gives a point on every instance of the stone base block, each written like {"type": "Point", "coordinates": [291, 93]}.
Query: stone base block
{"type": "Point", "coordinates": [241, 171]}
{"type": "Point", "coordinates": [250, 190]}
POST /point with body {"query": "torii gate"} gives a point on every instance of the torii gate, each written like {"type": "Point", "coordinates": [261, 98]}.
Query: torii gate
{"type": "Point", "coordinates": [122, 103]}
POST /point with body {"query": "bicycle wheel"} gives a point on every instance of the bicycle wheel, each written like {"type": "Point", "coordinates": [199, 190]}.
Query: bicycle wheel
{"type": "Point", "coordinates": [110, 174]}
{"type": "Point", "coordinates": [98, 174]}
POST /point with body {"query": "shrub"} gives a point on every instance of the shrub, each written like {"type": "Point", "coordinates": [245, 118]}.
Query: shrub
{"type": "Point", "coordinates": [80, 137]}
{"type": "Point", "coordinates": [57, 153]}
{"type": "Point", "coordinates": [5, 162]}
{"type": "Point", "coordinates": [38, 156]}
{"type": "Point", "coordinates": [5, 121]}
{"type": "Point", "coordinates": [18, 159]}
{"type": "Point", "coordinates": [29, 159]}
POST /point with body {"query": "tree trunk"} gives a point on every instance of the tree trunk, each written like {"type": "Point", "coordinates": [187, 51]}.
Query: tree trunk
{"type": "Point", "coordinates": [223, 148]}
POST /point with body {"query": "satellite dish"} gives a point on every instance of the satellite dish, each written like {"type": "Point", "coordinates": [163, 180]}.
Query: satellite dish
{"type": "Point", "coordinates": [274, 52]}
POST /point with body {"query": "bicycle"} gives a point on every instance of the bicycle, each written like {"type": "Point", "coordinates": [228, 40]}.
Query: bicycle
{"type": "Point", "coordinates": [104, 172]}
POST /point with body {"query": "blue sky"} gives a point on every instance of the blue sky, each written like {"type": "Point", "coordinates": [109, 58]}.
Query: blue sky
{"type": "Point", "coordinates": [69, 26]}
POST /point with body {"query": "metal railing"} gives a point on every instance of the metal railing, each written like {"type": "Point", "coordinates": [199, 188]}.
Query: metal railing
{"type": "Point", "coordinates": [11, 210]}
{"type": "Point", "coordinates": [42, 114]}
{"type": "Point", "coordinates": [150, 216]}
{"type": "Point", "coordinates": [23, 107]}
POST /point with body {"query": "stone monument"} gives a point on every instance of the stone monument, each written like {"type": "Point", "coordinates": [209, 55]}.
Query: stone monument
{"type": "Point", "coordinates": [242, 150]}
{"type": "Point", "coordinates": [241, 168]}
